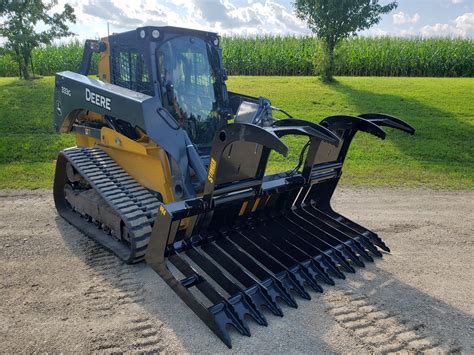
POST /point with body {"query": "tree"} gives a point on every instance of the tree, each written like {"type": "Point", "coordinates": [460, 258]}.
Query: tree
{"type": "Point", "coordinates": [334, 20]}
{"type": "Point", "coordinates": [20, 18]}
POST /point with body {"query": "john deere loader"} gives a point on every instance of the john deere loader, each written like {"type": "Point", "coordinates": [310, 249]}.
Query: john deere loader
{"type": "Point", "coordinates": [170, 167]}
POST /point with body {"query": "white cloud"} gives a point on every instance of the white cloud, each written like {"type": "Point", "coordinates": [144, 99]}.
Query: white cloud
{"type": "Point", "coordinates": [457, 1]}
{"type": "Point", "coordinates": [463, 27]}
{"type": "Point", "coordinates": [401, 18]}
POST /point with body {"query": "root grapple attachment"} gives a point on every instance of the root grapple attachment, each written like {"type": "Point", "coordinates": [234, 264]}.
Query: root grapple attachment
{"type": "Point", "coordinates": [251, 242]}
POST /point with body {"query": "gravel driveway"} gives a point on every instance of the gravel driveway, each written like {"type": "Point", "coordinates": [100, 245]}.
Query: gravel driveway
{"type": "Point", "coordinates": [60, 292]}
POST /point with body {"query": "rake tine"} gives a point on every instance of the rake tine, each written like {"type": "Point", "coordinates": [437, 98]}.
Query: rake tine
{"type": "Point", "coordinates": [317, 272]}
{"type": "Point", "coordinates": [258, 295]}
{"type": "Point", "coordinates": [364, 231]}
{"type": "Point", "coordinates": [221, 310]}
{"type": "Point", "coordinates": [329, 265]}
{"type": "Point", "coordinates": [360, 237]}
{"type": "Point", "coordinates": [354, 244]}
{"type": "Point", "coordinates": [350, 255]}
{"type": "Point", "coordinates": [370, 247]}
{"type": "Point", "coordinates": [276, 288]}
{"type": "Point", "coordinates": [308, 278]}
{"type": "Point", "coordinates": [338, 258]}
{"type": "Point", "coordinates": [297, 248]}
{"type": "Point", "coordinates": [238, 302]}
{"type": "Point", "coordinates": [293, 281]}
{"type": "Point", "coordinates": [330, 251]}
{"type": "Point", "coordinates": [223, 317]}
{"type": "Point", "coordinates": [324, 264]}
{"type": "Point", "coordinates": [379, 242]}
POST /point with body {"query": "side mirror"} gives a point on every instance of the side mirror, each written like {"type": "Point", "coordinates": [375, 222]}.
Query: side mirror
{"type": "Point", "coordinates": [170, 93]}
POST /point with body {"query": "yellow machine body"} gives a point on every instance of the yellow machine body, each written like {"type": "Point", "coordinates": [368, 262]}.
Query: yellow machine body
{"type": "Point", "coordinates": [143, 159]}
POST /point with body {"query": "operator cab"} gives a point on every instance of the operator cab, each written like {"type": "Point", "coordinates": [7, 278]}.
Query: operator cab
{"type": "Point", "coordinates": [181, 66]}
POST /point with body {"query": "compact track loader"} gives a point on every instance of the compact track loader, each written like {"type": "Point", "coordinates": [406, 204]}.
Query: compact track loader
{"type": "Point", "coordinates": [159, 174]}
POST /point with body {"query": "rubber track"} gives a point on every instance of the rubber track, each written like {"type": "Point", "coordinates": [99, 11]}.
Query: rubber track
{"type": "Point", "coordinates": [136, 206]}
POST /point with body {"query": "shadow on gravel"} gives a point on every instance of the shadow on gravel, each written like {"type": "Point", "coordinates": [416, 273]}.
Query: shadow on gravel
{"type": "Point", "coordinates": [374, 307]}
{"type": "Point", "coordinates": [390, 315]}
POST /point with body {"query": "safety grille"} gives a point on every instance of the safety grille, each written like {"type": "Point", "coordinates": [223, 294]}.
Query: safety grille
{"type": "Point", "coordinates": [130, 71]}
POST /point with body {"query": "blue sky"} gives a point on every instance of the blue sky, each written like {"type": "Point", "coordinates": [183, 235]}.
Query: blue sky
{"type": "Point", "coordinates": [427, 18]}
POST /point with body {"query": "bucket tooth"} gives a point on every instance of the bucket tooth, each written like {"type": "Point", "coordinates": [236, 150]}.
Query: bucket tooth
{"type": "Point", "coordinates": [295, 250]}
{"type": "Point", "coordinates": [257, 293]}
{"type": "Point", "coordinates": [242, 307]}
{"type": "Point", "coordinates": [340, 259]}
{"type": "Point", "coordinates": [223, 317]}
{"type": "Point", "coordinates": [275, 289]}
{"type": "Point", "coordinates": [329, 266]}
{"type": "Point", "coordinates": [260, 300]}
{"type": "Point", "coordinates": [361, 238]}
{"type": "Point", "coordinates": [350, 255]}
{"type": "Point", "coordinates": [238, 301]}
{"type": "Point", "coordinates": [317, 272]}
{"type": "Point", "coordinates": [359, 249]}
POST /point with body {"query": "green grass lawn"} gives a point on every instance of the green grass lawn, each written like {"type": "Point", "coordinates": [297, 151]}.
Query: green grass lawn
{"type": "Point", "coordinates": [439, 155]}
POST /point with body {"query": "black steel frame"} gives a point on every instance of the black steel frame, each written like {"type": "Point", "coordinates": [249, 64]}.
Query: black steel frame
{"type": "Point", "coordinates": [249, 244]}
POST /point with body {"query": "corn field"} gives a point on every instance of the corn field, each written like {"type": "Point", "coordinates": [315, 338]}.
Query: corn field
{"type": "Point", "coordinates": [269, 55]}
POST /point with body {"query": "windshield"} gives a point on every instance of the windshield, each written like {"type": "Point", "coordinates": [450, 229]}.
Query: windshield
{"type": "Point", "coordinates": [188, 85]}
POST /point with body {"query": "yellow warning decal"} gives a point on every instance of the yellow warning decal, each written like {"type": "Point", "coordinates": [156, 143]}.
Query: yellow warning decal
{"type": "Point", "coordinates": [162, 210]}
{"type": "Point", "coordinates": [212, 171]}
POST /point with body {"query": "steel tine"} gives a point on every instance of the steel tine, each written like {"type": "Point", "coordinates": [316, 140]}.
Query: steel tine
{"type": "Point", "coordinates": [277, 288]}
{"type": "Point", "coordinates": [324, 262]}
{"type": "Point", "coordinates": [292, 282]}
{"type": "Point", "coordinates": [298, 271]}
{"type": "Point", "coordinates": [358, 228]}
{"type": "Point", "coordinates": [331, 240]}
{"type": "Point", "coordinates": [221, 312]}
{"type": "Point", "coordinates": [355, 245]}
{"type": "Point", "coordinates": [240, 305]}
{"type": "Point", "coordinates": [338, 233]}
{"type": "Point", "coordinates": [329, 266]}
{"type": "Point", "coordinates": [270, 232]}
{"type": "Point", "coordinates": [361, 238]}
{"type": "Point", "coordinates": [257, 293]}
{"type": "Point", "coordinates": [328, 250]}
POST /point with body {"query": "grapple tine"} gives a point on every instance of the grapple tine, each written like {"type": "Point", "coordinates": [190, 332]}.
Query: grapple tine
{"type": "Point", "coordinates": [325, 248]}
{"type": "Point", "coordinates": [237, 300]}
{"type": "Point", "coordinates": [316, 272]}
{"type": "Point", "coordinates": [279, 271]}
{"type": "Point", "coordinates": [349, 254]}
{"type": "Point", "coordinates": [340, 259]}
{"type": "Point", "coordinates": [242, 307]}
{"type": "Point", "coordinates": [329, 265]}
{"type": "Point", "coordinates": [274, 286]}
{"type": "Point", "coordinates": [221, 310]}
{"type": "Point", "coordinates": [355, 245]}
{"type": "Point", "coordinates": [373, 237]}
{"type": "Point", "coordinates": [223, 317]}
{"type": "Point", "coordinates": [361, 238]}
{"type": "Point", "coordinates": [257, 293]}
{"type": "Point", "coordinates": [334, 235]}
{"type": "Point", "coordinates": [285, 257]}
{"type": "Point", "coordinates": [325, 265]}
{"type": "Point", "coordinates": [297, 248]}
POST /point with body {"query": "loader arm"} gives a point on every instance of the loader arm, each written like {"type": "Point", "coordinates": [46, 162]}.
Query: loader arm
{"type": "Point", "coordinates": [76, 93]}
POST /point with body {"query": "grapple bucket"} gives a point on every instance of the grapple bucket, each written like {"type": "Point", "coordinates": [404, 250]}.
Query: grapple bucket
{"type": "Point", "coordinates": [251, 242]}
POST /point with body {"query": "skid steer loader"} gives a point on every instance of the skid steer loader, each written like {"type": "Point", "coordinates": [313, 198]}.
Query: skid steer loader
{"type": "Point", "coordinates": [159, 174]}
